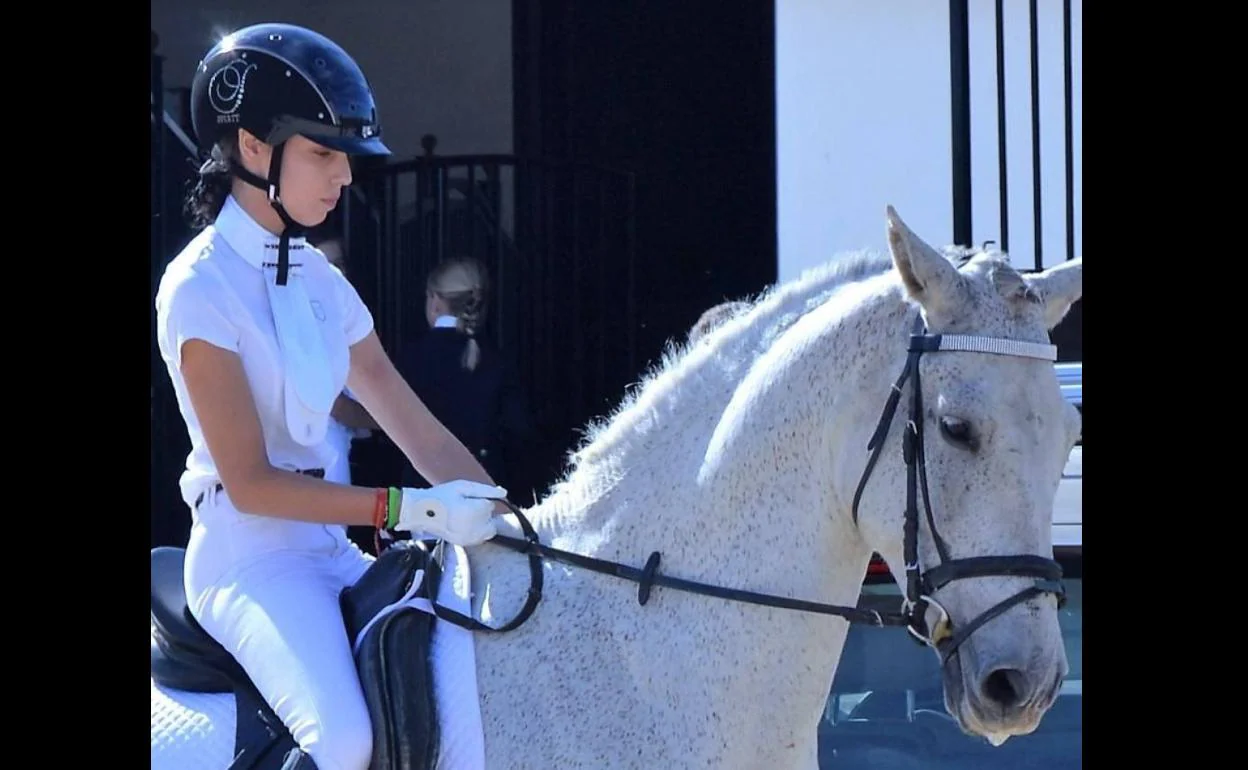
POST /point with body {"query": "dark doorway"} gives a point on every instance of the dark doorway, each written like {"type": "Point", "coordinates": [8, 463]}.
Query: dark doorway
{"type": "Point", "coordinates": [682, 95]}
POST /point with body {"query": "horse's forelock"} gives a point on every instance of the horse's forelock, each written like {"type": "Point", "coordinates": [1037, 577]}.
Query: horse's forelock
{"type": "Point", "coordinates": [995, 265]}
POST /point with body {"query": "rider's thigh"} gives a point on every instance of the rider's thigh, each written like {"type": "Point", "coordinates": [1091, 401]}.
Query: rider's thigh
{"type": "Point", "coordinates": [350, 562]}
{"type": "Point", "coordinates": [281, 619]}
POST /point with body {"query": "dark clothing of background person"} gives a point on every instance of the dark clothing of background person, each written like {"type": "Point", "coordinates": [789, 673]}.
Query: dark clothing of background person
{"type": "Point", "coordinates": [484, 407]}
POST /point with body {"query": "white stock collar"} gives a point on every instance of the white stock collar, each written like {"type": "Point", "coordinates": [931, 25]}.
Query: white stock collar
{"type": "Point", "coordinates": [251, 241]}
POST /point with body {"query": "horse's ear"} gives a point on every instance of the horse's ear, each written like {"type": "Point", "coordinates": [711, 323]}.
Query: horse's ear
{"type": "Point", "coordinates": [1059, 287]}
{"type": "Point", "coordinates": [930, 279]}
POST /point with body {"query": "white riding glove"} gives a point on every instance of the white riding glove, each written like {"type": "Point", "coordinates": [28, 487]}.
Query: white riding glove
{"type": "Point", "coordinates": [456, 511]}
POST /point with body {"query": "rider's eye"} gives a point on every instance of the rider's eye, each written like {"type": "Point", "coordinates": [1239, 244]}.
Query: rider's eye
{"type": "Point", "coordinates": [958, 432]}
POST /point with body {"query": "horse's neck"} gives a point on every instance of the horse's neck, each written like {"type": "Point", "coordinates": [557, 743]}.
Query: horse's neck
{"type": "Point", "coordinates": [735, 505]}
{"type": "Point", "coordinates": [802, 405]}
{"type": "Point", "coordinates": [724, 466]}
{"type": "Point", "coordinates": [674, 440]}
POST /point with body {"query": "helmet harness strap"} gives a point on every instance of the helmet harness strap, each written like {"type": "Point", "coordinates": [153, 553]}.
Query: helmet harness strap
{"type": "Point", "coordinates": [273, 186]}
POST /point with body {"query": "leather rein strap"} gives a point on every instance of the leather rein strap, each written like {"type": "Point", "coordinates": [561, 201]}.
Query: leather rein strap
{"type": "Point", "coordinates": [646, 578]}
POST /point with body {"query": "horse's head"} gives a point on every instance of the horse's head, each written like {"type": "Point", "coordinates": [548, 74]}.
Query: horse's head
{"type": "Point", "coordinates": [993, 435]}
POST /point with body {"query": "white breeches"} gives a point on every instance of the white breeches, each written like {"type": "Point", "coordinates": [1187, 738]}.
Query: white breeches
{"type": "Point", "coordinates": [268, 590]}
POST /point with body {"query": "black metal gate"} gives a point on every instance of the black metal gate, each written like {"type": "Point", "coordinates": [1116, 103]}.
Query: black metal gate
{"type": "Point", "coordinates": [1068, 335]}
{"type": "Point", "coordinates": [172, 168]}
{"type": "Point", "coordinates": [558, 241]}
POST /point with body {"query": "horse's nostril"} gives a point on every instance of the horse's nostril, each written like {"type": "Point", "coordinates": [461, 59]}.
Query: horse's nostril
{"type": "Point", "coordinates": [1006, 687]}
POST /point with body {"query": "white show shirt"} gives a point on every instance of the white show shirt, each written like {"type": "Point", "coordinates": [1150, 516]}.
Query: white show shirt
{"type": "Point", "coordinates": [215, 290]}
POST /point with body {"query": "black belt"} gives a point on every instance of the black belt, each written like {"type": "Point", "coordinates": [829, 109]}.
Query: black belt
{"type": "Point", "coordinates": [317, 472]}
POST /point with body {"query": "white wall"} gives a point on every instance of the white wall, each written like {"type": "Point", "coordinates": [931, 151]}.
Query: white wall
{"type": "Point", "coordinates": [439, 67]}
{"type": "Point", "coordinates": [863, 120]}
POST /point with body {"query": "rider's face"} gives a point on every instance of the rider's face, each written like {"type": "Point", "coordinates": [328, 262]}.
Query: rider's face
{"type": "Point", "coordinates": [312, 175]}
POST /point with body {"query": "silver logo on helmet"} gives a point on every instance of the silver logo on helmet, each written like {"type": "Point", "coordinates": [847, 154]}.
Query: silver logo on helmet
{"type": "Point", "coordinates": [226, 89]}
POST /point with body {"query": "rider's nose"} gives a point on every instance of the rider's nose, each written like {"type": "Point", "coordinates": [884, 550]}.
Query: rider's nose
{"type": "Point", "coordinates": [1005, 688]}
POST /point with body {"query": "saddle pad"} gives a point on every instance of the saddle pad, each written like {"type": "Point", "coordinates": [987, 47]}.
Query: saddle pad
{"type": "Point", "coordinates": [191, 730]}
{"type": "Point", "coordinates": [462, 743]}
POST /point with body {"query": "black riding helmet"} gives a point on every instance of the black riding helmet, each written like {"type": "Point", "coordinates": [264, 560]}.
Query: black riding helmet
{"type": "Point", "coordinates": [275, 81]}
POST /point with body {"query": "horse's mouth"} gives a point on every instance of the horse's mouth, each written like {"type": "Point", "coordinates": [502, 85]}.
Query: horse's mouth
{"type": "Point", "coordinates": [981, 720]}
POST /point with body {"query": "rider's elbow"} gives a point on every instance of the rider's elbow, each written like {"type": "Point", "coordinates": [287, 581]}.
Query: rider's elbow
{"type": "Point", "coordinates": [248, 488]}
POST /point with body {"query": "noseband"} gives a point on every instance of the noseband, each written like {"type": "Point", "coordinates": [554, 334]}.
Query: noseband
{"type": "Point", "coordinates": [920, 585]}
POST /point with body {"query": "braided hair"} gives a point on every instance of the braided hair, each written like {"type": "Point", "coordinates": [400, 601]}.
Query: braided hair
{"type": "Point", "coordinates": [213, 183]}
{"type": "Point", "coordinates": [462, 284]}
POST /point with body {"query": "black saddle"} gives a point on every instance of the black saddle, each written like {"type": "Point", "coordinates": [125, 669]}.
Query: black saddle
{"type": "Point", "coordinates": [186, 657]}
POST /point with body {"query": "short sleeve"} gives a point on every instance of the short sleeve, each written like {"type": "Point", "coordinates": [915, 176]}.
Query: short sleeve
{"type": "Point", "coordinates": [192, 306]}
{"type": "Point", "coordinates": [357, 320]}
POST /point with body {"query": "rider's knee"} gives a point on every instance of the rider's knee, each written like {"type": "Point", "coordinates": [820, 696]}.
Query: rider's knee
{"type": "Point", "coordinates": [343, 744]}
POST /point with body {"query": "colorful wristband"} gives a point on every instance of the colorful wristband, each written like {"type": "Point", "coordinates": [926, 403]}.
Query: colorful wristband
{"type": "Point", "coordinates": [394, 502]}
{"type": "Point", "coordinates": [380, 501]}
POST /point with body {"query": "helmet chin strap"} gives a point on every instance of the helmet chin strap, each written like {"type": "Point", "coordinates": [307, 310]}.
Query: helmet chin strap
{"type": "Point", "coordinates": [273, 186]}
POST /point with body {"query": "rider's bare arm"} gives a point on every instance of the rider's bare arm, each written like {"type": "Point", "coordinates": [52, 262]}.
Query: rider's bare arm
{"type": "Point", "coordinates": [433, 450]}
{"type": "Point", "coordinates": [223, 402]}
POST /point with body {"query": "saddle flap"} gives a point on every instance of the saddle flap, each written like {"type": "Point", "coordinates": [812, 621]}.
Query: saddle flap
{"type": "Point", "coordinates": [393, 657]}
{"type": "Point", "coordinates": [384, 583]}
{"type": "Point", "coordinates": [397, 678]}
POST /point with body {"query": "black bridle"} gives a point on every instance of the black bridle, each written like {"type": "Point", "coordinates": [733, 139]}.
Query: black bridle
{"type": "Point", "coordinates": [920, 585]}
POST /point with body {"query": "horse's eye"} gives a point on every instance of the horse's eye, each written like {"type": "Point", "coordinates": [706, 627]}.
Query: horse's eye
{"type": "Point", "coordinates": [958, 432]}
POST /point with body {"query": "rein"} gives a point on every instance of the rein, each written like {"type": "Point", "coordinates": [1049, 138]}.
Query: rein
{"type": "Point", "coordinates": [646, 578]}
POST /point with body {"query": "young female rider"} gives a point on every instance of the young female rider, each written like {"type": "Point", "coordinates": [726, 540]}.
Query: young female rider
{"type": "Point", "coordinates": [260, 335]}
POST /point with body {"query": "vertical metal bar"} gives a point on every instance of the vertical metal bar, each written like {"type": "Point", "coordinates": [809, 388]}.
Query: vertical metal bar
{"type": "Point", "coordinates": [602, 254]}
{"type": "Point", "coordinates": [549, 289]}
{"type": "Point", "coordinates": [630, 240]}
{"type": "Point", "coordinates": [409, 265]}
{"type": "Point", "coordinates": [158, 125]}
{"type": "Point", "coordinates": [960, 96]}
{"type": "Point", "coordinates": [1035, 136]}
{"type": "Point", "coordinates": [422, 216]}
{"type": "Point", "coordinates": [437, 220]}
{"type": "Point", "coordinates": [1067, 102]}
{"type": "Point", "coordinates": [390, 287]}
{"type": "Point", "coordinates": [539, 266]}
{"type": "Point", "coordinates": [500, 274]}
{"type": "Point", "coordinates": [578, 322]}
{"type": "Point", "coordinates": [1002, 162]}
{"type": "Point", "coordinates": [446, 223]}
{"type": "Point", "coordinates": [473, 214]}
{"type": "Point", "coordinates": [160, 418]}
{"type": "Point", "coordinates": [529, 275]}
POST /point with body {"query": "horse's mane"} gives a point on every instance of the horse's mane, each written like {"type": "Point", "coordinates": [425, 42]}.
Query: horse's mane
{"type": "Point", "coordinates": [684, 369]}
{"type": "Point", "coordinates": [688, 370]}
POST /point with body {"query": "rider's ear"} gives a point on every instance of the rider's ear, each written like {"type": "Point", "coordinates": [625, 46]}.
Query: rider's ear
{"type": "Point", "coordinates": [1060, 287]}
{"type": "Point", "coordinates": [930, 278]}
